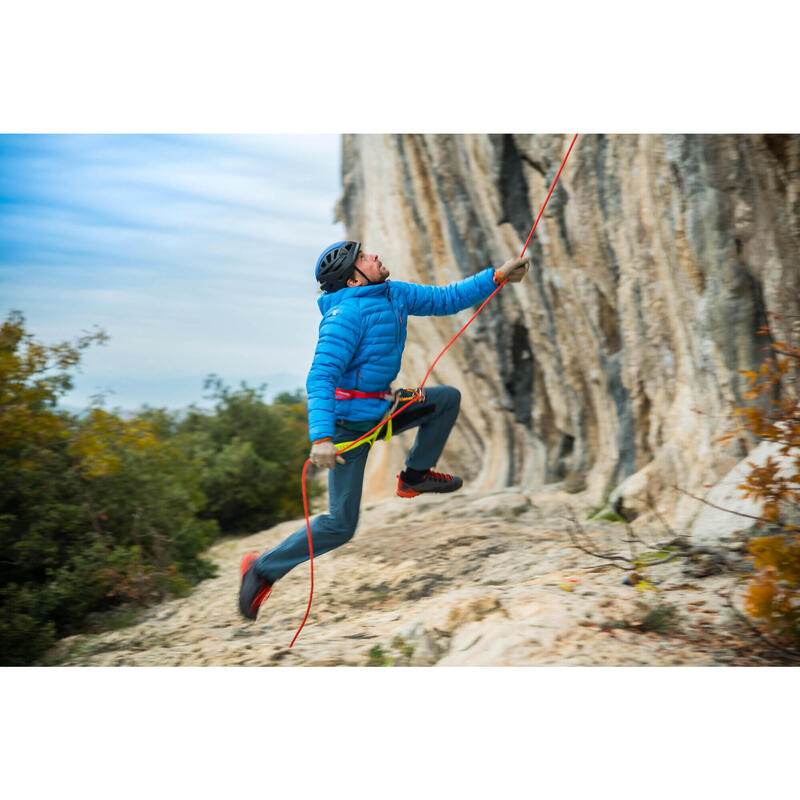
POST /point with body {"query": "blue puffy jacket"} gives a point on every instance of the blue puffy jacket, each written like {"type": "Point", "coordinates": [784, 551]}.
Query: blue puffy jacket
{"type": "Point", "coordinates": [361, 341]}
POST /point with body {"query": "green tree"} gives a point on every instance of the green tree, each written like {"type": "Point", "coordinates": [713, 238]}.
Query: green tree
{"type": "Point", "coordinates": [96, 511]}
{"type": "Point", "coordinates": [253, 454]}
{"type": "Point", "coordinates": [101, 510]}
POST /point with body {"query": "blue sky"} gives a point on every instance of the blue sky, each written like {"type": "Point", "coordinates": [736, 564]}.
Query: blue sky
{"type": "Point", "coordinates": [195, 253]}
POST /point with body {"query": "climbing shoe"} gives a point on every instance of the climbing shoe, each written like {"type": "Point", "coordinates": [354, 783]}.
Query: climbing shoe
{"type": "Point", "coordinates": [431, 481]}
{"type": "Point", "coordinates": [254, 590]}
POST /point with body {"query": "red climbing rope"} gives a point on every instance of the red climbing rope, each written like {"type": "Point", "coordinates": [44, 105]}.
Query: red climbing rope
{"type": "Point", "coordinates": [414, 399]}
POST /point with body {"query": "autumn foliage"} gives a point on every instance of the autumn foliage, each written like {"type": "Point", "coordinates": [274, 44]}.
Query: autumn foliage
{"type": "Point", "coordinates": [774, 416]}
{"type": "Point", "coordinates": [103, 511]}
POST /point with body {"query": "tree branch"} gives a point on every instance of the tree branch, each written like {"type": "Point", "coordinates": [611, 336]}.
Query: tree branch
{"type": "Point", "coordinates": [636, 538]}
{"type": "Point", "coordinates": [605, 556]}
{"type": "Point", "coordinates": [652, 505]}
{"type": "Point", "coordinates": [728, 510]}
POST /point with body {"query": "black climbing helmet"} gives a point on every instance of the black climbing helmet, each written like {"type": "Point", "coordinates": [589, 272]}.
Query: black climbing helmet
{"type": "Point", "coordinates": [335, 265]}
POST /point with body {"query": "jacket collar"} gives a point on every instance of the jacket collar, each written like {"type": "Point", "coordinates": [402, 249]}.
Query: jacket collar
{"type": "Point", "coordinates": [328, 301]}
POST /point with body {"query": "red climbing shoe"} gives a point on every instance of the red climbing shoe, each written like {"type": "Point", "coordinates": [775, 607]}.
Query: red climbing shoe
{"type": "Point", "coordinates": [431, 481]}
{"type": "Point", "coordinates": [254, 590]}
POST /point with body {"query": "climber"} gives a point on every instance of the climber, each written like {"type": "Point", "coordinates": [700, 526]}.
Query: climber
{"type": "Point", "coordinates": [360, 345]}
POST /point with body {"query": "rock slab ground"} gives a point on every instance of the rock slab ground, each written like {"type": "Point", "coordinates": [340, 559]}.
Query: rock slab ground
{"type": "Point", "coordinates": [470, 579]}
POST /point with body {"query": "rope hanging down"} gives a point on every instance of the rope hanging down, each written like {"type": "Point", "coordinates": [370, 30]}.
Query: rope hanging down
{"type": "Point", "coordinates": [414, 400]}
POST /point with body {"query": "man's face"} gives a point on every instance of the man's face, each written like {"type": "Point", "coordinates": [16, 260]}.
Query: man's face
{"type": "Point", "coordinates": [371, 266]}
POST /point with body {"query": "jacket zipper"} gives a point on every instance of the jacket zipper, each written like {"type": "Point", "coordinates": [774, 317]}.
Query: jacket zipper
{"type": "Point", "coordinates": [396, 326]}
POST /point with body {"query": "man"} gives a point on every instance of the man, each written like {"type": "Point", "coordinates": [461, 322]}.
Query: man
{"type": "Point", "coordinates": [360, 345]}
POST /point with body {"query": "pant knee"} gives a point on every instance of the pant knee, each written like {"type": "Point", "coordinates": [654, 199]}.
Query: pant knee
{"type": "Point", "coordinates": [348, 533]}
{"type": "Point", "coordinates": [454, 397]}
{"type": "Point", "coordinates": [343, 529]}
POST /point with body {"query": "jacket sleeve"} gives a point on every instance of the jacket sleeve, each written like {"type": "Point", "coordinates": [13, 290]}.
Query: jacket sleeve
{"type": "Point", "coordinates": [424, 301]}
{"type": "Point", "coordinates": [339, 335]}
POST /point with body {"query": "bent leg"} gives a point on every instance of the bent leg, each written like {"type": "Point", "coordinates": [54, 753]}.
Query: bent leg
{"type": "Point", "coordinates": [328, 531]}
{"type": "Point", "coordinates": [434, 428]}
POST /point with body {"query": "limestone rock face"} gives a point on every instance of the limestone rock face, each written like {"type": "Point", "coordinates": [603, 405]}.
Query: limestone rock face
{"type": "Point", "coordinates": [655, 263]}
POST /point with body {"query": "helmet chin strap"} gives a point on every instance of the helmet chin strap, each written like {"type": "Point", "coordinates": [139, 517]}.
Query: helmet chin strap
{"type": "Point", "coordinates": [369, 282]}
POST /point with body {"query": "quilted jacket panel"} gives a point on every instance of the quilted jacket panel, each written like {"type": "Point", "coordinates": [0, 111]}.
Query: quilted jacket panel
{"type": "Point", "coordinates": [361, 339]}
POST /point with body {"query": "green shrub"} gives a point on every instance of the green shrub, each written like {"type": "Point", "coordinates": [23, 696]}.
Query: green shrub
{"type": "Point", "coordinates": [252, 455]}
{"type": "Point", "coordinates": [101, 512]}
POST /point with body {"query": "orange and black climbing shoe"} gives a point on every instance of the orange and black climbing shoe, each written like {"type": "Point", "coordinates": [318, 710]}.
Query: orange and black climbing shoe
{"type": "Point", "coordinates": [254, 590]}
{"type": "Point", "coordinates": [431, 481]}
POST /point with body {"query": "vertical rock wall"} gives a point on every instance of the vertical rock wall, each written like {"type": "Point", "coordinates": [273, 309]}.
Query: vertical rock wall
{"type": "Point", "coordinates": [657, 259]}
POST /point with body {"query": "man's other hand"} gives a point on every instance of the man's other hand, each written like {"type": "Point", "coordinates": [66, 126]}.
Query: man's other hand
{"type": "Point", "coordinates": [325, 454]}
{"type": "Point", "coordinates": [514, 269]}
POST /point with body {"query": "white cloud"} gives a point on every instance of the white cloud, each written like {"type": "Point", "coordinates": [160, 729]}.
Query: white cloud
{"type": "Point", "coordinates": [196, 254]}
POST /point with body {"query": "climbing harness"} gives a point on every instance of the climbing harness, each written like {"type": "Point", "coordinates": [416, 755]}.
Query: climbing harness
{"type": "Point", "coordinates": [351, 394]}
{"type": "Point", "coordinates": [384, 430]}
{"type": "Point", "coordinates": [405, 403]}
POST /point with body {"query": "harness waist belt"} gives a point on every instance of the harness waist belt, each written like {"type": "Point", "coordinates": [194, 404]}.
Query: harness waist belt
{"type": "Point", "coordinates": [358, 425]}
{"type": "Point", "coordinates": [352, 394]}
